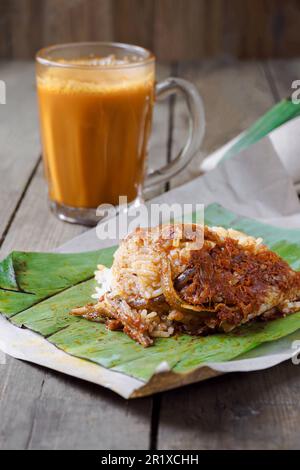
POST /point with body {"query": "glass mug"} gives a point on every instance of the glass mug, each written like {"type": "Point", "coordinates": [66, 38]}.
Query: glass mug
{"type": "Point", "coordinates": [95, 103]}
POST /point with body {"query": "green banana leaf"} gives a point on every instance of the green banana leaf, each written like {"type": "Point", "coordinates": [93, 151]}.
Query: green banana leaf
{"type": "Point", "coordinates": [55, 283]}
{"type": "Point", "coordinates": [279, 114]}
{"type": "Point", "coordinates": [28, 278]}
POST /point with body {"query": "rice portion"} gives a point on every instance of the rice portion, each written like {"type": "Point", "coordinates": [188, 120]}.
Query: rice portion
{"type": "Point", "coordinates": [136, 270]}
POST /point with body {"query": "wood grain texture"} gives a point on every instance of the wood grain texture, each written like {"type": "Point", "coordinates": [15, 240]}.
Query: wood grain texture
{"type": "Point", "coordinates": [255, 410]}
{"type": "Point", "coordinates": [187, 29]}
{"type": "Point", "coordinates": [72, 414]}
{"type": "Point", "coordinates": [19, 136]}
{"type": "Point", "coordinates": [175, 30]}
{"type": "Point", "coordinates": [47, 232]}
{"type": "Point", "coordinates": [79, 20]}
{"type": "Point", "coordinates": [134, 21]}
{"type": "Point", "coordinates": [26, 27]}
{"type": "Point", "coordinates": [5, 42]}
{"type": "Point", "coordinates": [41, 409]}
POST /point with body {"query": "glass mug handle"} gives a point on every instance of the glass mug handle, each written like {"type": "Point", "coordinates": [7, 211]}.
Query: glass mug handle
{"type": "Point", "coordinates": [196, 129]}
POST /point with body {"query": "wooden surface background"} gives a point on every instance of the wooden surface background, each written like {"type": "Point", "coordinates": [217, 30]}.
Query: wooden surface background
{"type": "Point", "coordinates": [173, 29]}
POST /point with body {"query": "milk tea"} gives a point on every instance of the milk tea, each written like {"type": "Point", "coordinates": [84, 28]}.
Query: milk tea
{"type": "Point", "coordinates": [95, 125]}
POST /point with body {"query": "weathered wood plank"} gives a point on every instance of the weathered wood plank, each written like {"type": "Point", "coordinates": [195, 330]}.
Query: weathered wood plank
{"type": "Point", "coordinates": [83, 20]}
{"type": "Point", "coordinates": [256, 410]}
{"type": "Point", "coordinates": [133, 22]}
{"type": "Point", "coordinates": [72, 414]}
{"type": "Point", "coordinates": [59, 411]}
{"type": "Point", "coordinates": [235, 94]}
{"type": "Point", "coordinates": [5, 30]}
{"type": "Point", "coordinates": [20, 148]}
{"type": "Point", "coordinates": [26, 27]}
{"type": "Point", "coordinates": [42, 409]}
{"type": "Point", "coordinates": [193, 28]}
{"type": "Point", "coordinates": [55, 21]}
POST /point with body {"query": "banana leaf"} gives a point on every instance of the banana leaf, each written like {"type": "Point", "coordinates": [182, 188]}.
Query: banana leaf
{"type": "Point", "coordinates": [28, 278]}
{"type": "Point", "coordinates": [52, 291]}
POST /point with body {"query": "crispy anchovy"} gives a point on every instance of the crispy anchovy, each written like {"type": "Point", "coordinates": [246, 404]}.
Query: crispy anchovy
{"type": "Point", "coordinates": [172, 297]}
{"type": "Point", "coordinates": [157, 304]}
{"type": "Point", "coordinates": [133, 324]}
{"type": "Point", "coordinates": [182, 279]}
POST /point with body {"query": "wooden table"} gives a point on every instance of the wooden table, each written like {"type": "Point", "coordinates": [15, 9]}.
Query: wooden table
{"type": "Point", "coordinates": [42, 409]}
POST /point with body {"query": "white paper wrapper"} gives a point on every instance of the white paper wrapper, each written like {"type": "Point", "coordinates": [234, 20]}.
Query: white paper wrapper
{"type": "Point", "coordinates": [254, 184]}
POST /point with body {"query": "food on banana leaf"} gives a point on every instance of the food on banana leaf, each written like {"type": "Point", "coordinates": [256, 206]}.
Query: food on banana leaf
{"type": "Point", "coordinates": [191, 279]}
